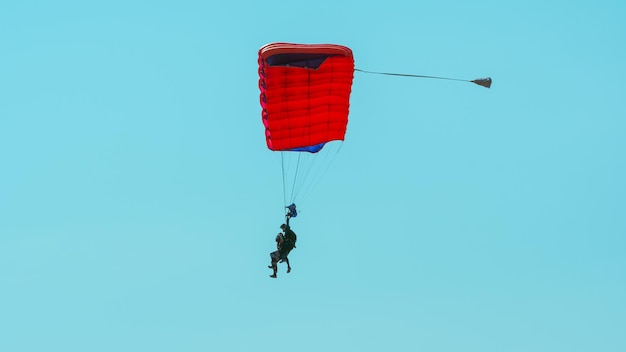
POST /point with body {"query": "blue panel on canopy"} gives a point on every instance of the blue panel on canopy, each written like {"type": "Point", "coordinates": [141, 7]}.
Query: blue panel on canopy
{"type": "Point", "coordinates": [312, 149]}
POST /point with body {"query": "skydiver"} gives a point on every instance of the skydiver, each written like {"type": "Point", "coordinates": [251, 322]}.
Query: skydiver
{"type": "Point", "coordinates": [284, 243]}
{"type": "Point", "coordinates": [288, 243]}
{"type": "Point", "coordinates": [275, 255]}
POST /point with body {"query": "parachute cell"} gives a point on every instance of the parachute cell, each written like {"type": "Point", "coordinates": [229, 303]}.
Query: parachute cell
{"type": "Point", "coordinates": [305, 94]}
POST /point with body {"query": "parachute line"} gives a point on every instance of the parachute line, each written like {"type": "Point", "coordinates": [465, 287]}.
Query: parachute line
{"type": "Point", "coordinates": [319, 173]}
{"type": "Point", "coordinates": [484, 82]}
{"type": "Point", "coordinates": [295, 179]}
{"type": "Point", "coordinates": [282, 164]}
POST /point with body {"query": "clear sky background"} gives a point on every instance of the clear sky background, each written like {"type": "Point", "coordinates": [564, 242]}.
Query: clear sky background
{"type": "Point", "coordinates": [139, 203]}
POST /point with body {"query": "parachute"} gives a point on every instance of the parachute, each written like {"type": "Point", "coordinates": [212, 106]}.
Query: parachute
{"type": "Point", "coordinates": [305, 93]}
{"type": "Point", "coordinates": [305, 100]}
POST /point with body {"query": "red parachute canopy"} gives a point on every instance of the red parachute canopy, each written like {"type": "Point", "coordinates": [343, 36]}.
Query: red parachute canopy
{"type": "Point", "coordinates": [305, 94]}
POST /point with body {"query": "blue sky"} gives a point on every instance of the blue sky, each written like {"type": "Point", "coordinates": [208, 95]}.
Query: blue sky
{"type": "Point", "coordinates": [139, 203]}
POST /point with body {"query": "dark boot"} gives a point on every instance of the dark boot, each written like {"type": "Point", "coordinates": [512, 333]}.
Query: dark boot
{"type": "Point", "coordinates": [275, 268]}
